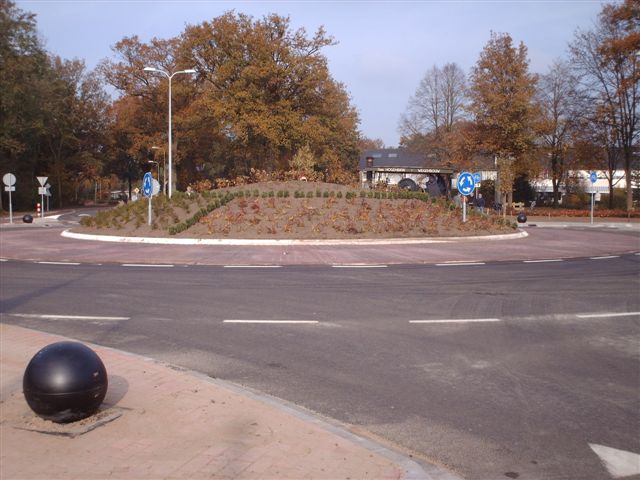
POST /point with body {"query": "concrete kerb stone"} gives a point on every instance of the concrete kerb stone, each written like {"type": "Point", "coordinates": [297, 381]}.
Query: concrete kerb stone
{"type": "Point", "coordinates": [412, 469]}
{"type": "Point", "coordinates": [287, 242]}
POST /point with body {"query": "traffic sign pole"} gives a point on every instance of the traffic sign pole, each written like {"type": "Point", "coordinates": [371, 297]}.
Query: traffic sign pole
{"type": "Point", "coordinates": [594, 178]}
{"type": "Point", "coordinates": [464, 210]}
{"type": "Point", "coordinates": [9, 179]}
{"type": "Point", "coordinates": [466, 184]}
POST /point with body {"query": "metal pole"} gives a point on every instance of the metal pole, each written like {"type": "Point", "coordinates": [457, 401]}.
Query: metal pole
{"type": "Point", "coordinates": [150, 208]}
{"type": "Point", "coordinates": [164, 171]}
{"type": "Point", "coordinates": [464, 209]}
{"type": "Point", "coordinates": [592, 198]}
{"type": "Point", "coordinates": [10, 207]}
{"type": "Point", "coordinates": [170, 149]}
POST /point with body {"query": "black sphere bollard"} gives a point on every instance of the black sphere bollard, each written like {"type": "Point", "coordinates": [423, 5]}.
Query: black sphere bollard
{"type": "Point", "coordinates": [27, 218]}
{"type": "Point", "coordinates": [522, 218]}
{"type": "Point", "coordinates": [65, 382]}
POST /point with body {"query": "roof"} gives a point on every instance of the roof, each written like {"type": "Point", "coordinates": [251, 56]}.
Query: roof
{"type": "Point", "coordinates": [403, 158]}
{"type": "Point", "coordinates": [399, 157]}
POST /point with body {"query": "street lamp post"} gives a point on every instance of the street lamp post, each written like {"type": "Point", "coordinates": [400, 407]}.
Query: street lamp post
{"type": "Point", "coordinates": [164, 169]}
{"type": "Point", "coordinates": [169, 76]}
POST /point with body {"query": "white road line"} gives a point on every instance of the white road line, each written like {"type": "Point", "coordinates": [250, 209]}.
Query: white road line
{"type": "Point", "coordinates": [66, 317]}
{"type": "Point", "coordinates": [604, 258]}
{"type": "Point", "coordinates": [252, 266]}
{"type": "Point", "coordinates": [462, 320]}
{"type": "Point", "coordinates": [357, 265]}
{"type": "Point", "coordinates": [3, 260]}
{"type": "Point", "coordinates": [146, 265]}
{"type": "Point", "coordinates": [544, 261]}
{"type": "Point", "coordinates": [467, 264]}
{"type": "Point", "coordinates": [276, 322]}
{"type": "Point", "coordinates": [636, 253]}
{"type": "Point", "coordinates": [58, 263]}
{"type": "Point", "coordinates": [604, 315]}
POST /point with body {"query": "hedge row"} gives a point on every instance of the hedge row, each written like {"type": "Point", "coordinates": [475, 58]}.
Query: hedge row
{"type": "Point", "coordinates": [203, 212]}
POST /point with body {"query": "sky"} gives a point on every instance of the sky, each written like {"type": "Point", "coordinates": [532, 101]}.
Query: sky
{"type": "Point", "coordinates": [384, 47]}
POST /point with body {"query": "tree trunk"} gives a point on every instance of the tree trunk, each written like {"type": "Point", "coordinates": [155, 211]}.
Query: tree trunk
{"type": "Point", "coordinates": [555, 182]}
{"type": "Point", "coordinates": [610, 180]}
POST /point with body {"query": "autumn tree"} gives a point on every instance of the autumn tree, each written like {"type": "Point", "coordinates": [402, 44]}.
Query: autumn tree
{"type": "Point", "coordinates": [76, 123]}
{"type": "Point", "coordinates": [606, 60]}
{"type": "Point", "coordinates": [501, 94]}
{"type": "Point", "coordinates": [267, 91]}
{"type": "Point", "coordinates": [559, 112]}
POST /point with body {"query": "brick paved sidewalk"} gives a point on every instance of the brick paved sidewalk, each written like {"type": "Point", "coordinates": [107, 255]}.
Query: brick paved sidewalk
{"type": "Point", "coordinates": [174, 424]}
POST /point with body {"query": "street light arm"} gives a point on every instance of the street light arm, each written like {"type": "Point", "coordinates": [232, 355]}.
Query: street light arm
{"type": "Point", "coordinates": [156, 70]}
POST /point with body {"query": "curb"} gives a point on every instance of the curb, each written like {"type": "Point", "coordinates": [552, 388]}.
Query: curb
{"type": "Point", "coordinates": [412, 469]}
{"type": "Point", "coordinates": [286, 242]}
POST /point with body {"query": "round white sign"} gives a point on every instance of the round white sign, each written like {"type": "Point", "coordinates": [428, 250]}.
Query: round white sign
{"type": "Point", "coordinates": [9, 179]}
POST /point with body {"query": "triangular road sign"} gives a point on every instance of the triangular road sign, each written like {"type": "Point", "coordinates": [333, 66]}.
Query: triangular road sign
{"type": "Point", "coordinates": [42, 180]}
{"type": "Point", "coordinates": [618, 463]}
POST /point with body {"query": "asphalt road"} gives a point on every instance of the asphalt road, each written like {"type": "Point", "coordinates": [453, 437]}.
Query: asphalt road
{"type": "Point", "coordinates": [550, 365]}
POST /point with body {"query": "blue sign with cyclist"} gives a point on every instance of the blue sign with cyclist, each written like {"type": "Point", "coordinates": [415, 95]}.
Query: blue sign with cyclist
{"type": "Point", "coordinates": [594, 177]}
{"type": "Point", "coordinates": [147, 184]}
{"type": "Point", "coordinates": [466, 183]}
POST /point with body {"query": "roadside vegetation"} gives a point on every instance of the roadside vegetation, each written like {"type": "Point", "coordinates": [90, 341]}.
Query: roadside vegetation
{"type": "Point", "coordinates": [295, 210]}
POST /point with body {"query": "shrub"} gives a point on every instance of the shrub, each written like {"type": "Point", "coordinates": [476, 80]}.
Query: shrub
{"type": "Point", "coordinates": [318, 193]}
{"type": "Point", "coordinates": [325, 194]}
{"type": "Point", "coordinates": [309, 194]}
{"type": "Point", "coordinates": [339, 195]}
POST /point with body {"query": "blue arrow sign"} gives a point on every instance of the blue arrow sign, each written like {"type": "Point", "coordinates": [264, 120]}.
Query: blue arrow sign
{"type": "Point", "coordinates": [466, 183]}
{"type": "Point", "coordinates": [477, 177]}
{"type": "Point", "coordinates": [147, 184]}
{"type": "Point", "coordinates": [594, 177]}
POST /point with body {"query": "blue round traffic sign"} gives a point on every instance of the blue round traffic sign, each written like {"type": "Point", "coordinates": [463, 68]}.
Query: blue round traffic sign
{"type": "Point", "coordinates": [466, 184]}
{"type": "Point", "coordinates": [147, 184]}
{"type": "Point", "coordinates": [594, 177]}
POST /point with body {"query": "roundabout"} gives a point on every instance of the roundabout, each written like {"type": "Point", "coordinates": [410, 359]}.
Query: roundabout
{"type": "Point", "coordinates": [486, 358]}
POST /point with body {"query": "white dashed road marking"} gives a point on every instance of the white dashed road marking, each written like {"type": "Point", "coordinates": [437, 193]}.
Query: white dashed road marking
{"type": "Point", "coordinates": [604, 258]}
{"type": "Point", "coordinates": [462, 320]}
{"type": "Point", "coordinates": [605, 315]}
{"type": "Point", "coordinates": [467, 264]}
{"type": "Point", "coordinates": [356, 265]}
{"type": "Point", "coordinates": [275, 322]}
{"type": "Point", "coordinates": [67, 317]}
{"type": "Point", "coordinates": [146, 265]}
{"type": "Point", "coordinates": [544, 261]}
{"type": "Point", "coordinates": [59, 263]}
{"type": "Point", "coordinates": [252, 266]}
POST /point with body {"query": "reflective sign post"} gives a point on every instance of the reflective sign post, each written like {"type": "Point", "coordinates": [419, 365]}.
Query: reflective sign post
{"type": "Point", "coordinates": [9, 180]}
{"type": "Point", "coordinates": [594, 178]}
{"type": "Point", "coordinates": [466, 184]}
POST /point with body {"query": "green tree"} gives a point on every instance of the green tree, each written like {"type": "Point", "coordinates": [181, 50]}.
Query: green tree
{"type": "Point", "coordinates": [24, 66]}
